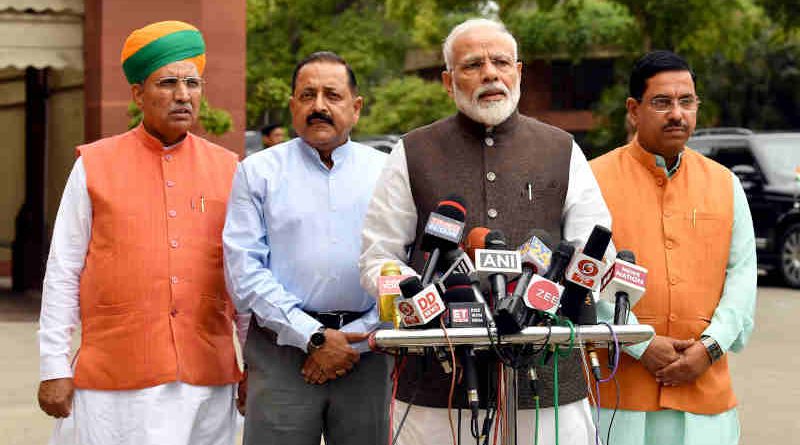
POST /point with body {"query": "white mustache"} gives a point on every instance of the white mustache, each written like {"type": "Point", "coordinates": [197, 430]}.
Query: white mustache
{"type": "Point", "coordinates": [492, 88]}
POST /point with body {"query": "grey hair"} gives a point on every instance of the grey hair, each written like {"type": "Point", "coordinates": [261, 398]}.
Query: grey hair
{"type": "Point", "coordinates": [447, 47]}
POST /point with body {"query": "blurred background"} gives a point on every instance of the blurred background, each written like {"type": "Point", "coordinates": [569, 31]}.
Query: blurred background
{"type": "Point", "coordinates": [61, 85]}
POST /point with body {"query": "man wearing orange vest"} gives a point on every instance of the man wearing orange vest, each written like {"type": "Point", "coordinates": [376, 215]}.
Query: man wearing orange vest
{"type": "Point", "coordinates": [686, 219]}
{"type": "Point", "coordinates": [136, 259]}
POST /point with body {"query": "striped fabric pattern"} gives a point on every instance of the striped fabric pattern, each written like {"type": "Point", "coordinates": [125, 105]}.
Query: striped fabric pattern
{"type": "Point", "coordinates": [153, 46]}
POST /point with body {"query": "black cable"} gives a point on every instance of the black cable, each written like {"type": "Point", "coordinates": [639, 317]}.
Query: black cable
{"type": "Point", "coordinates": [613, 413]}
{"type": "Point", "coordinates": [405, 415]}
{"type": "Point", "coordinates": [459, 426]}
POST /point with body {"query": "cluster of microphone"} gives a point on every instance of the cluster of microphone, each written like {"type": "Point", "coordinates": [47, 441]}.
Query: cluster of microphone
{"type": "Point", "coordinates": [544, 283]}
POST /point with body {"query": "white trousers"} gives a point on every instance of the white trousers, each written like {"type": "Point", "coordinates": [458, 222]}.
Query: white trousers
{"type": "Point", "coordinates": [430, 426]}
{"type": "Point", "coordinates": [170, 414]}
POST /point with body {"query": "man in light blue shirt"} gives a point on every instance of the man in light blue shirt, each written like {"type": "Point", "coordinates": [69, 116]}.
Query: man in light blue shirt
{"type": "Point", "coordinates": [291, 244]}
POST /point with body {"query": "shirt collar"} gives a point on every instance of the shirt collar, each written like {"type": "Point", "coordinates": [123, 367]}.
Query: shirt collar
{"type": "Point", "coordinates": [653, 162]}
{"type": "Point", "coordinates": [339, 154]}
{"type": "Point", "coordinates": [662, 163]}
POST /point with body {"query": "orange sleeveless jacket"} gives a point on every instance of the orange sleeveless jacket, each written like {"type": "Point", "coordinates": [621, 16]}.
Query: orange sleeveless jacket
{"type": "Point", "coordinates": [680, 229]}
{"type": "Point", "coordinates": [153, 303]}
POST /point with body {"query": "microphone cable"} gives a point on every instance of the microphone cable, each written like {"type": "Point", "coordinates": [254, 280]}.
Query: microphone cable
{"type": "Point", "coordinates": [612, 376]}
{"type": "Point", "coordinates": [399, 365]}
{"type": "Point", "coordinates": [452, 382]}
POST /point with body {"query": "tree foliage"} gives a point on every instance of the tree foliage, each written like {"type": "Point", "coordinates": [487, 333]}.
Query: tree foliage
{"type": "Point", "coordinates": [404, 104]}
{"type": "Point", "coordinates": [745, 52]}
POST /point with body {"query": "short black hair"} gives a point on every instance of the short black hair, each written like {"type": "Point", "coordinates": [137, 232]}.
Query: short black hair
{"type": "Point", "coordinates": [651, 64]}
{"type": "Point", "coordinates": [267, 129]}
{"type": "Point", "coordinates": [327, 56]}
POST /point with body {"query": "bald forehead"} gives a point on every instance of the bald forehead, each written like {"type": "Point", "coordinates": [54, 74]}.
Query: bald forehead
{"type": "Point", "coordinates": [477, 42]}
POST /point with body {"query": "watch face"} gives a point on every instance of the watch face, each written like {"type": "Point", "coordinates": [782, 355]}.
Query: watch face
{"type": "Point", "coordinates": [317, 339]}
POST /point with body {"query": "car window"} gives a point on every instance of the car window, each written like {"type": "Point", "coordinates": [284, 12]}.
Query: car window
{"type": "Point", "coordinates": [701, 146]}
{"type": "Point", "coordinates": [731, 154]}
{"type": "Point", "coordinates": [782, 156]}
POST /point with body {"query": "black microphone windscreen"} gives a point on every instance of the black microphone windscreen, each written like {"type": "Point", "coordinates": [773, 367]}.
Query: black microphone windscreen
{"type": "Point", "coordinates": [626, 255]}
{"type": "Point", "coordinates": [597, 243]}
{"type": "Point", "coordinates": [457, 279]}
{"type": "Point", "coordinates": [410, 286]}
{"type": "Point", "coordinates": [452, 207]}
{"type": "Point", "coordinates": [496, 240]}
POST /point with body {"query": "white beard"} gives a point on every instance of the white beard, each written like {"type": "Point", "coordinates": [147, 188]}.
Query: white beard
{"type": "Point", "coordinates": [489, 113]}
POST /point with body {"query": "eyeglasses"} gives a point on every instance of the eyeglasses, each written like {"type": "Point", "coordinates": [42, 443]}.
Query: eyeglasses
{"type": "Point", "coordinates": [193, 83]}
{"type": "Point", "coordinates": [500, 62]}
{"type": "Point", "coordinates": [665, 104]}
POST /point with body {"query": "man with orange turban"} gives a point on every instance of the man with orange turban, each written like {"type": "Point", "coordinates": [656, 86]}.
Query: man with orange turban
{"type": "Point", "coordinates": [136, 259]}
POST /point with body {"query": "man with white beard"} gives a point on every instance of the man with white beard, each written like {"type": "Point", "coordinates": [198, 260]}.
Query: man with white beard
{"type": "Point", "coordinates": [514, 174]}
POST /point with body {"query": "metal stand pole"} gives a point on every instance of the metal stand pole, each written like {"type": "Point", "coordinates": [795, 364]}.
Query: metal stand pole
{"type": "Point", "coordinates": [510, 381]}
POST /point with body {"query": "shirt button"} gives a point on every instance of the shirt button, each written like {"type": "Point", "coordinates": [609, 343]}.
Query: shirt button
{"type": "Point", "coordinates": [174, 244]}
{"type": "Point", "coordinates": [170, 183]}
{"type": "Point", "coordinates": [168, 157]}
{"type": "Point", "coordinates": [489, 141]}
{"type": "Point", "coordinates": [673, 281]}
{"type": "Point", "coordinates": [660, 182]}
{"type": "Point", "coordinates": [491, 176]}
{"type": "Point", "coordinates": [492, 213]}
{"type": "Point", "coordinates": [172, 213]}
{"type": "Point", "coordinates": [173, 312]}
{"type": "Point", "coordinates": [673, 317]}
{"type": "Point", "coordinates": [667, 214]}
{"type": "Point", "coordinates": [173, 279]}
{"type": "Point", "coordinates": [669, 245]}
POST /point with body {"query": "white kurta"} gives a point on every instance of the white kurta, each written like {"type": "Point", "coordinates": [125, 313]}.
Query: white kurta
{"type": "Point", "coordinates": [173, 413]}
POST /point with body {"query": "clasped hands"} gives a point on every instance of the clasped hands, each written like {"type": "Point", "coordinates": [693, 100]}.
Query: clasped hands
{"type": "Point", "coordinates": [334, 359]}
{"type": "Point", "coordinates": [675, 362]}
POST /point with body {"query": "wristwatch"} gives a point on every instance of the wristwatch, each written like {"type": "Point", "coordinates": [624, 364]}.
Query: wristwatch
{"type": "Point", "coordinates": [712, 347]}
{"type": "Point", "coordinates": [317, 339]}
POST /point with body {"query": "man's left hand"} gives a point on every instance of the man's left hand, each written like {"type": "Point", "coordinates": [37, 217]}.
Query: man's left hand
{"type": "Point", "coordinates": [691, 364]}
{"type": "Point", "coordinates": [241, 394]}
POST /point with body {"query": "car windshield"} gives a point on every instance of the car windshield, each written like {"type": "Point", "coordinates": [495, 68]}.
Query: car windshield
{"type": "Point", "coordinates": [782, 156]}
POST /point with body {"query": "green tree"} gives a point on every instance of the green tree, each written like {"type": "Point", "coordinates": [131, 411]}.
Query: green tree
{"type": "Point", "coordinates": [280, 33]}
{"type": "Point", "coordinates": [404, 104]}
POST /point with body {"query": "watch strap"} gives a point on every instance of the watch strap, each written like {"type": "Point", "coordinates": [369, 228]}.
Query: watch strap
{"type": "Point", "coordinates": [712, 347]}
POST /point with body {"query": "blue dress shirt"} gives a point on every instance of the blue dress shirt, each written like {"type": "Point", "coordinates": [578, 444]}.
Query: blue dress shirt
{"type": "Point", "coordinates": [292, 237]}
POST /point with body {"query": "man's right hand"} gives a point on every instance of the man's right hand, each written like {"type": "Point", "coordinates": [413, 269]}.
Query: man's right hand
{"type": "Point", "coordinates": [662, 351]}
{"type": "Point", "coordinates": [336, 353]}
{"type": "Point", "coordinates": [55, 397]}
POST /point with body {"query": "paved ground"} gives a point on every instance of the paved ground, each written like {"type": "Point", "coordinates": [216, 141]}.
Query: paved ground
{"type": "Point", "coordinates": [765, 374]}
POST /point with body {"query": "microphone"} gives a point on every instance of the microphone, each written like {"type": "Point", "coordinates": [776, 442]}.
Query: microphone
{"type": "Point", "coordinates": [623, 284]}
{"type": "Point", "coordinates": [454, 262]}
{"type": "Point", "coordinates": [544, 292]}
{"type": "Point", "coordinates": [464, 311]}
{"type": "Point", "coordinates": [583, 276]}
{"type": "Point", "coordinates": [467, 356]}
{"type": "Point", "coordinates": [511, 314]}
{"type": "Point", "coordinates": [442, 232]}
{"type": "Point", "coordinates": [420, 304]}
{"type": "Point", "coordinates": [389, 292]}
{"type": "Point", "coordinates": [495, 263]}
{"type": "Point", "coordinates": [476, 239]}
